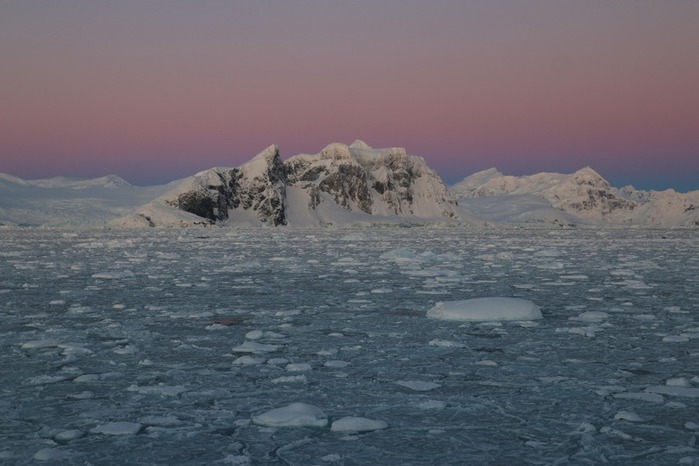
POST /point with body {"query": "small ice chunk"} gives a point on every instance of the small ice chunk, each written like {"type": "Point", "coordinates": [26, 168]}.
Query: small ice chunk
{"type": "Point", "coordinates": [357, 424]}
{"type": "Point", "coordinates": [254, 335]}
{"type": "Point", "coordinates": [67, 435]}
{"type": "Point", "coordinates": [159, 390]}
{"type": "Point", "coordinates": [675, 339]}
{"type": "Point", "coordinates": [649, 397]}
{"type": "Point", "coordinates": [485, 309]}
{"type": "Point", "coordinates": [628, 416]}
{"type": "Point", "coordinates": [445, 343]}
{"type": "Point", "coordinates": [298, 367]}
{"type": "Point", "coordinates": [678, 382]}
{"type": "Point", "coordinates": [591, 316]}
{"type": "Point", "coordinates": [418, 385]}
{"type": "Point", "coordinates": [487, 362]}
{"type": "Point", "coordinates": [239, 460]}
{"type": "Point", "coordinates": [689, 392]}
{"type": "Point", "coordinates": [691, 425]}
{"type": "Point", "coordinates": [293, 415]}
{"type": "Point", "coordinates": [248, 360]}
{"type": "Point", "coordinates": [432, 404]}
{"type": "Point", "coordinates": [291, 379]}
{"type": "Point", "coordinates": [254, 347]}
{"type": "Point", "coordinates": [117, 428]}
{"type": "Point", "coordinates": [277, 361]}
{"type": "Point", "coordinates": [337, 364]}
{"type": "Point", "coordinates": [114, 275]}
{"type": "Point", "coordinates": [39, 344]}
{"type": "Point", "coordinates": [51, 454]}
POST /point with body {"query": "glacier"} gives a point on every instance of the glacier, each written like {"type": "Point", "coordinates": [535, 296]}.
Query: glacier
{"type": "Point", "coordinates": [188, 346]}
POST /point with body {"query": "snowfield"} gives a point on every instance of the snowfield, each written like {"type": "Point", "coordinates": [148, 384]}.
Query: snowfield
{"type": "Point", "coordinates": [314, 346]}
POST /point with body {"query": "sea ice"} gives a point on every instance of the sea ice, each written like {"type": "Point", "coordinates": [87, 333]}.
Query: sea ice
{"type": "Point", "coordinates": [485, 309]}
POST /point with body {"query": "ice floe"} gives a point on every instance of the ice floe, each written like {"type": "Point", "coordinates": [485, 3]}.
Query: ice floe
{"type": "Point", "coordinates": [418, 385]}
{"type": "Point", "coordinates": [117, 428]}
{"type": "Point", "coordinates": [485, 309]}
{"type": "Point", "coordinates": [293, 415]}
{"type": "Point", "coordinates": [357, 424]}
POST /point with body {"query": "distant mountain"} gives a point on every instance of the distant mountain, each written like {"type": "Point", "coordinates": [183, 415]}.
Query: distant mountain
{"type": "Point", "coordinates": [340, 185]}
{"type": "Point", "coordinates": [583, 197]}
{"type": "Point", "coordinates": [68, 201]}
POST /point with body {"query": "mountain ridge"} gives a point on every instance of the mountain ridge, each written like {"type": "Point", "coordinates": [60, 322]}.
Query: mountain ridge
{"type": "Point", "coordinates": [342, 184]}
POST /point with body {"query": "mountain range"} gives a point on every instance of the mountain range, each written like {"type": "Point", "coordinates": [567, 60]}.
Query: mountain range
{"type": "Point", "coordinates": [342, 185]}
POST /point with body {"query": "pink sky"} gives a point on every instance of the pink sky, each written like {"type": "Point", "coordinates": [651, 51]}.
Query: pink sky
{"type": "Point", "coordinates": [157, 90]}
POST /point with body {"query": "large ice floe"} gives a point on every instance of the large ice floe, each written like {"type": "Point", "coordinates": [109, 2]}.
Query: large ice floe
{"type": "Point", "coordinates": [294, 415]}
{"type": "Point", "coordinates": [485, 309]}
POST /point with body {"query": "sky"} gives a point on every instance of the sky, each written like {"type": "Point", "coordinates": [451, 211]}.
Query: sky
{"type": "Point", "coordinates": [160, 89]}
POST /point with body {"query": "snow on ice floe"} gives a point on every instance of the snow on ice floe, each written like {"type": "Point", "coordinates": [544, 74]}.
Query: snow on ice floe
{"type": "Point", "coordinates": [357, 424]}
{"type": "Point", "coordinates": [293, 415]}
{"type": "Point", "coordinates": [485, 309]}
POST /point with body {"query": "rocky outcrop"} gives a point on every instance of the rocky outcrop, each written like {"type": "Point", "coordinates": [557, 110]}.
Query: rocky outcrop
{"type": "Point", "coordinates": [373, 181]}
{"type": "Point", "coordinates": [259, 186]}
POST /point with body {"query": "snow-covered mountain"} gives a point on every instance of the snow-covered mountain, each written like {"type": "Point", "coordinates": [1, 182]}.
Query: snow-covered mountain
{"type": "Point", "coordinates": [340, 185]}
{"type": "Point", "coordinates": [582, 197]}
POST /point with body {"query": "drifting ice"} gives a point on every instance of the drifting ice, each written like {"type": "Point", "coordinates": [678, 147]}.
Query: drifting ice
{"type": "Point", "coordinates": [485, 309]}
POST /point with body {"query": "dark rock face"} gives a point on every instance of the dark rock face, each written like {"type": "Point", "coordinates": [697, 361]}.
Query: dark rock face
{"type": "Point", "coordinates": [214, 193]}
{"type": "Point", "coordinates": [348, 183]}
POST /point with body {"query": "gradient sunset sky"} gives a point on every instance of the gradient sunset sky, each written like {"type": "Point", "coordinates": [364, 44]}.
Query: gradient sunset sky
{"type": "Point", "coordinates": [160, 89]}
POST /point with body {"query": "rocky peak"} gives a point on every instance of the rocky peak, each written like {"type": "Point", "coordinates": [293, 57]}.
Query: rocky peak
{"type": "Point", "coordinates": [587, 176]}
{"type": "Point", "coordinates": [336, 151]}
